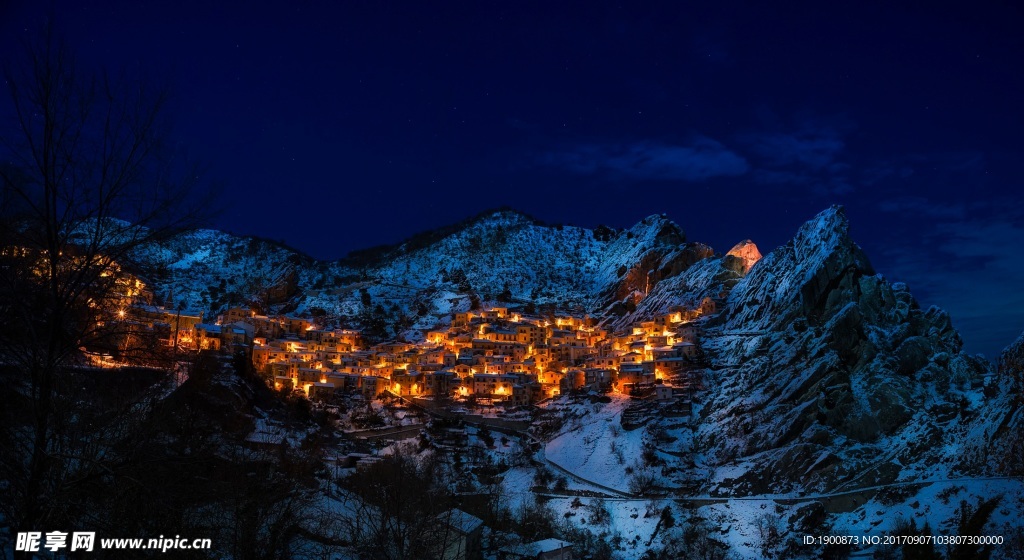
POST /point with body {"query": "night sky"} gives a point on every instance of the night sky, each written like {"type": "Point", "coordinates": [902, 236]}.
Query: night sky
{"type": "Point", "coordinates": [339, 125]}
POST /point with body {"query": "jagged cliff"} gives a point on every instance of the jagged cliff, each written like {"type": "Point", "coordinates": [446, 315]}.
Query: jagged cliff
{"type": "Point", "coordinates": [827, 376]}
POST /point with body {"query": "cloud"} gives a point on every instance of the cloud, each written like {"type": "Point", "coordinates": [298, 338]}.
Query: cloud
{"type": "Point", "coordinates": [701, 159]}
{"type": "Point", "coordinates": [939, 168]}
{"type": "Point", "coordinates": [924, 207]}
{"type": "Point", "coordinates": [882, 171]}
{"type": "Point", "coordinates": [812, 149]}
{"type": "Point", "coordinates": [810, 155]}
{"type": "Point", "coordinates": [970, 266]}
{"type": "Point", "coordinates": [828, 184]}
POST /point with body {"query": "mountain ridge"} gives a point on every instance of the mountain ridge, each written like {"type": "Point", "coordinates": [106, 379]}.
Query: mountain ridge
{"type": "Point", "coordinates": [244, 264]}
{"type": "Point", "coordinates": [819, 376]}
{"type": "Point", "coordinates": [488, 246]}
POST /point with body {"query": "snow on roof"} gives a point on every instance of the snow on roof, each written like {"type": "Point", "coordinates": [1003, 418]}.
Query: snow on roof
{"type": "Point", "coordinates": [546, 545]}
{"type": "Point", "coordinates": [462, 521]}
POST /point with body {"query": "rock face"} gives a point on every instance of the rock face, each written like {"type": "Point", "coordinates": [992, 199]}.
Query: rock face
{"type": "Point", "coordinates": [1009, 435]}
{"type": "Point", "coordinates": [829, 376]}
{"type": "Point", "coordinates": [747, 251]}
{"type": "Point", "coordinates": [1012, 359]}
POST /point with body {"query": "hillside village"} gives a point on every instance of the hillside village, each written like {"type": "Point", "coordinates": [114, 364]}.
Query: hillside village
{"type": "Point", "coordinates": [494, 356]}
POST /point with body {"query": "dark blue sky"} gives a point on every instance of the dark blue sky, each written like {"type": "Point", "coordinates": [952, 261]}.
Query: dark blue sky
{"type": "Point", "coordinates": [339, 125]}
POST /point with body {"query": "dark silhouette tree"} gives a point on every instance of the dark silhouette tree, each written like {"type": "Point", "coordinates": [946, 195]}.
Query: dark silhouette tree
{"type": "Point", "coordinates": [404, 508]}
{"type": "Point", "coordinates": [87, 183]}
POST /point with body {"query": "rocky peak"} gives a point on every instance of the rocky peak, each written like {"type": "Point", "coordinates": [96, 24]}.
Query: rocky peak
{"type": "Point", "coordinates": [747, 251]}
{"type": "Point", "coordinates": [810, 278]}
{"type": "Point", "coordinates": [827, 231]}
{"type": "Point", "coordinates": [830, 262]}
{"type": "Point", "coordinates": [824, 350]}
{"type": "Point", "coordinates": [505, 217]}
{"type": "Point", "coordinates": [1012, 358]}
{"type": "Point", "coordinates": [659, 229]}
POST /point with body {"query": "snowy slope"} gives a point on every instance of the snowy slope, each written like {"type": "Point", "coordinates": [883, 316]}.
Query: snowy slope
{"type": "Point", "coordinates": [502, 255]}
{"type": "Point", "coordinates": [208, 270]}
{"type": "Point", "coordinates": [825, 379]}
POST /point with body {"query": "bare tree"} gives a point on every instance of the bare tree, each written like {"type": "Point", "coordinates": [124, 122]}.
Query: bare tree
{"type": "Point", "coordinates": [401, 508]}
{"type": "Point", "coordinates": [87, 186]}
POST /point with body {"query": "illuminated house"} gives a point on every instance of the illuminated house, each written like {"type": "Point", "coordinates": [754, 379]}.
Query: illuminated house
{"type": "Point", "coordinates": [349, 337]}
{"type": "Point", "coordinates": [407, 384]}
{"type": "Point", "coordinates": [321, 389]}
{"type": "Point", "coordinates": [296, 325]}
{"type": "Point", "coordinates": [572, 352]}
{"type": "Point", "coordinates": [632, 375]}
{"type": "Point", "coordinates": [373, 386]}
{"type": "Point", "coordinates": [207, 337]}
{"type": "Point", "coordinates": [461, 320]}
{"type": "Point", "coordinates": [529, 333]}
{"type": "Point", "coordinates": [599, 379]}
{"type": "Point", "coordinates": [440, 383]}
{"type": "Point", "coordinates": [500, 335]}
{"type": "Point", "coordinates": [573, 380]}
{"type": "Point", "coordinates": [658, 340]}
{"type": "Point", "coordinates": [610, 362]}
{"type": "Point", "coordinates": [686, 349]}
{"type": "Point", "coordinates": [321, 336]}
{"type": "Point", "coordinates": [495, 313]}
{"type": "Point", "coordinates": [237, 314]}
{"type": "Point", "coordinates": [181, 323]}
{"type": "Point", "coordinates": [440, 356]}
{"type": "Point", "coordinates": [497, 386]}
{"type": "Point", "coordinates": [393, 348]}
{"type": "Point", "coordinates": [436, 337]}
{"type": "Point", "coordinates": [686, 332]}
{"type": "Point", "coordinates": [265, 326]}
{"type": "Point", "coordinates": [521, 394]}
{"type": "Point", "coordinates": [462, 370]}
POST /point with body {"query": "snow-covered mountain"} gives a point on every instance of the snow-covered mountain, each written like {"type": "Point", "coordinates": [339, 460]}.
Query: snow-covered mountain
{"type": "Point", "coordinates": [827, 376]}
{"type": "Point", "coordinates": [502, 256]}
{"type": "Point", "coordinates": [822, 379]}
{"type": "Point", "coordinates": [823, 374]}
